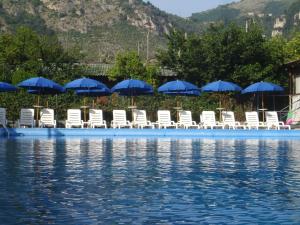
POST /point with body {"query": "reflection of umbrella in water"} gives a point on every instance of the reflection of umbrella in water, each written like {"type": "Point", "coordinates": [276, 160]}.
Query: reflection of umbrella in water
{"type": "Point", "coordinates": [132, 88]}
{"type": "Point", "coordinates": [85, 84]}
{"type": "Point", "coordinates": [261, 87]}
{"type": "Point", "coordinates": [41, 86]}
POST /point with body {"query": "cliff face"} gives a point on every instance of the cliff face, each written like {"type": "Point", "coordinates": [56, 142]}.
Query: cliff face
{"type": "Point", "coordinates": [99, 27]}
{"type": "Point", "coordinates": [82, 15]}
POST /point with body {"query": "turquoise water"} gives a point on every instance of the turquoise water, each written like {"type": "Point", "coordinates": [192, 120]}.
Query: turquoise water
{"type": "Point", "coordinates": [149, 181]}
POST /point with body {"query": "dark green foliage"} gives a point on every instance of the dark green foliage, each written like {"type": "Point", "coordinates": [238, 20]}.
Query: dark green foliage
{"type": "Point", "coordinates": [225, 53]}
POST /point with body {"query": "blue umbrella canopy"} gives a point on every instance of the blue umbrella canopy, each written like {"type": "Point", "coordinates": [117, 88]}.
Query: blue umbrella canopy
{"type": "Point", "coordinates": [46, 91]}
{"type": "Point", "coordinates": [184, 93]}
{"type": "Point", "coordinates": [221, 86]}
{"type": "Point", "coordinates": [6, 87]}
{"type": "Point", "coordinates": [85, 84]}
{"type": "Point", "coordinates": [41, 85]}
{"type": "Point", "coordinates": [94, 92]}
{"type": "Point", "coordinates": [262, 87]}
{"type": "Point", "coordinates": [132, 87]}
{"type": "Point", "coordinates": [177, 86]}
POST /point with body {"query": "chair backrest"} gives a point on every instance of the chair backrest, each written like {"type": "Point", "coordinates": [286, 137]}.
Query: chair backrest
{"type": "Point", "coordinates": [119, 116]}
{"type": "Point", "coordinates": [96, 116]}
{"type": "Point", "coordinates": [164, 116]}
{"type": "Point", "coordinates": [252, 118]}
{"type": "Point", "coordinates": [2, 116]}
{"type": "Point", "coordinates": [47, 116]}
{"type": "Point", "coordinates": [185, 117]}
{"type": "Point", "coordinates": [272, 118]}
{"type": "Point", "coordinates": [228, 117]}
{"type": "Point", "coordinates": [208, 118]}
{"type": "Point", "coordinates": [26, 117]}
{"type": "Point", "coordinates": [74, 116]}
{"type": "Point", "coordinates": [139, 116]}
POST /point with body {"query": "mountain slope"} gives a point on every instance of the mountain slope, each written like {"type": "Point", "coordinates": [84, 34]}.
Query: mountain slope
{"type": "Point", "coordinates": [266, 12]}
{"type": "Point", "coordinates": [99, 28]}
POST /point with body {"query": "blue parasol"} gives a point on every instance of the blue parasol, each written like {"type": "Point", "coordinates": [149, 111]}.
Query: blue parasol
{"type": "Point", "coordinates": [132, 87]}
{"type": "Point", "coordinates": [177, 86]}
{"type": "Point", "coordinates": [221, 86]}
{"type": "Point", "coordinates": [85, 84]}
{"type": "Point", "coordinates": [6, 87]}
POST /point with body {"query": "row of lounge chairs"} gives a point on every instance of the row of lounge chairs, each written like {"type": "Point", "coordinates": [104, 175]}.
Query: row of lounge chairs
{"type": "Point", "coordinates": [207, 120]}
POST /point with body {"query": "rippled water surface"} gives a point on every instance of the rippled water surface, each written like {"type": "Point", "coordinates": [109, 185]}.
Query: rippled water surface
{"type": "Point", "coordinates": [149, 181]}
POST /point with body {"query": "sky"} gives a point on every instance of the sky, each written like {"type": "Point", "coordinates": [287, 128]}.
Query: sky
{"type": "Point", "coordinates": [185, 8]}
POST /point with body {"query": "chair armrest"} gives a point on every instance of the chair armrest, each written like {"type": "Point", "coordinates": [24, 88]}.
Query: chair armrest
{"type": "Point", "coordinates": [104, 121]}
{"type": "Point", "coordinates": [194, 123]}
{"type": "Point", "coordinates": [281, 123]}
{"type": "Point", "coordinates": [173, 122]}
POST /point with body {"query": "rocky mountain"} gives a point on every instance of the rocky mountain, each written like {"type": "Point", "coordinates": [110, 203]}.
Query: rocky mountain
{"type": "Point", "coordinates": [100, 28]}
{"type": "Point", "coordinates": [278, 17]}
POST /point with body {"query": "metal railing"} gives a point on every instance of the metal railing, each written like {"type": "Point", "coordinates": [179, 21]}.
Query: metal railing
{"type": "Point", "coordinates": [283, 113]}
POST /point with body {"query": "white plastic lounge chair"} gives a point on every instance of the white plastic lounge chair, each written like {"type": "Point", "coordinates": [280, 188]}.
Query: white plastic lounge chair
{"type": "Point", "coordinates": [47, 118]}
{"type": "Point", "coordinates": [140, 119]}
{"type": "Point", "coordinates": [96, 119]}
{"type": "Point", "coordinates": [252, 121]}
{"type": "Point", "coordinates": [186, 121]}
{"type": "Point", "coordinates": [26, 118]}
{"type": "Point", "coordinates": [229, 120]}
{"type": "Point", "coordinates": [120, 120]}
{"type": "Point", "coordinates": [273, 122]}
{"type": "Point", "coordinates": [208, 120]}
{"type": "Point", "coordinates": [3, 120]}
{"type": "Point", "coordinates": [74, 118]}
{"type": "Point", "coordinates": [164, 119]}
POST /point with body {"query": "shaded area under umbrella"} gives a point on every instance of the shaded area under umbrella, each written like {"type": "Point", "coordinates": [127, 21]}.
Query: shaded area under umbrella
{"type": "Point", "coordinates": [94, 93]}
{"type": "Point", "coordinates": [41, 86]}
{"type": "Point", "coordinates": [179, 88]}
{"type": "Point", "coordinates": [262, 87]}
{"type": "Point", "coordinates": [221, 87]}
{"type": "Point", "coordinates": [132, 88]}
{"type": "Point", "coordinates": [83, 86]}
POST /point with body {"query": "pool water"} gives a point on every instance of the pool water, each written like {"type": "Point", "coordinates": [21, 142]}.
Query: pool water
{"type": "Point", "coordinates": [149, 181]}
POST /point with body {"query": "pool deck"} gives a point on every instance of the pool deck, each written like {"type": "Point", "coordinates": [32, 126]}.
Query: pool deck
{"type": "Point", "coordinates": [176, 133]}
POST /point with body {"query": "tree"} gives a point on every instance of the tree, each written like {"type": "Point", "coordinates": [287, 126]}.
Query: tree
{"type": "Point", "coordinates": [225, 53]}
{"type": "Point", "coordinates": [129, 65]}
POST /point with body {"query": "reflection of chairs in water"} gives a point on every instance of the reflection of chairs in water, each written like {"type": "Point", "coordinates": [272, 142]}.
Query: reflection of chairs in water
{"type": "Point", "coordinates": [45, 149]}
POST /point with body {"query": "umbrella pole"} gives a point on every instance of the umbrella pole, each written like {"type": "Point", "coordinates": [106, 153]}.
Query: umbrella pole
{"type": "Point", "coordinates": [263, 106]}
{"type": "Point", "coordinates": [37, 110]}
{"type": "Point", "coordinates": [84, 109]}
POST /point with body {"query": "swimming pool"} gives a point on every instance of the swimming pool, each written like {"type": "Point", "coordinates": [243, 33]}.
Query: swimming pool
{"type": "Point", "coordinates": [149, 181]}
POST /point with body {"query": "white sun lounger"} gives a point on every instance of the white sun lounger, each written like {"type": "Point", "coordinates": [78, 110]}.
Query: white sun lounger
{"type": "Point", "coordinates": [140, 119]}
{"type": "Point", "coordinates": [74, 118]}
{"type": "Point", "coordinates": [96, 119]}
{"type": "Point", "coordinates": [47, 118]}
{"type": "Point", "coordinates": [208, 120]}
{"type": "Point", "coordinates": [252, 121]}
{"type": "Point", "coordinates": [186, 121]}
{"type": "Point", "coordinates": [3, 120]}
{"type": "Point", "coordinates": [273, 122]}
{"type": "Point", "coordinates": [26, 118]}
{"type": "Point", "coordinates": [228, 119]}
{"type": "Point", "coordinates": [164, 119]}
{"type": "Point", "coordinates": [120, 119]}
